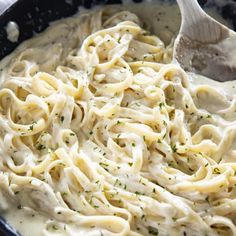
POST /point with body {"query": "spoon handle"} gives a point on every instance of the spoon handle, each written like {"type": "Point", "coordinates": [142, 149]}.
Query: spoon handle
{"type": "Point", "coordinates": [5, 4]}
{"type": "Point", "coordinates": [197, 25]}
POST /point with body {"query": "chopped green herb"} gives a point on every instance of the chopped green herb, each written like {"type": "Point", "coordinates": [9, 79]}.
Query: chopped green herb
{"type": "Point", "coordinates": [41, 147]}
{"type": "Point", "coordinates": [153, 231]}
{"type": "Point", "coordinates": [142, 217]}
{"type": "Point", "coordinates": [164, 123]}
{"type": "Point", "coordinates": [161, 104]}
{"type": "Point", "coordinates": [54, 227]}
{"type": "Point", "coordinates": [216, 171]}
{"type": "Point", "coordinates": [164, 135]}
{"type": "Point", "coordinates": [103, 164]}
{"type": "Point", "coordinates": [62, 119]}
{"type": "Point", "coordinates": [138, 193]}
{"type": "Point", "coordinates": [174, 149]}
{"type": "Point", "coordinates": [31, 128]}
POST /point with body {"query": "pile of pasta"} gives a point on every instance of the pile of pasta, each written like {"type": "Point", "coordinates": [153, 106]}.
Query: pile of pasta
{"type": "Point", "coordinates": [104, 135]}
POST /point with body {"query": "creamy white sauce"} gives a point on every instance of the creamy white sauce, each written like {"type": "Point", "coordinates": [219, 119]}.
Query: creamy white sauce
{"type": "Point", "coordinates": [164, 21]}
{"type": "Point", "coordinates": [27, 222]}
{"type": "Point", "coordinates": [228, 87]}
{"type": "Point", "coordinates": [13, 31]}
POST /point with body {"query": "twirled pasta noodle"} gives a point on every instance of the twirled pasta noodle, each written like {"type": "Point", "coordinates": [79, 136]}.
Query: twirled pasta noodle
{"type": "Point", "coordinates": [103, 135]}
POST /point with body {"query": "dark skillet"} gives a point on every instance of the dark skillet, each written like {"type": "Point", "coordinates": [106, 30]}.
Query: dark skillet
{"type": "Point", "coordinates": [33, 16]}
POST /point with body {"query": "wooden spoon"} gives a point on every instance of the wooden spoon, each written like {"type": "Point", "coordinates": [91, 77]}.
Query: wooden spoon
{"type": "Point", "coordinates": [203, 45]}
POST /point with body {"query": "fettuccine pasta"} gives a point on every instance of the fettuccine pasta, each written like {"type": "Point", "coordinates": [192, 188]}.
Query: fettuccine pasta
{"type": "Point", "coordinates": [102, 134]}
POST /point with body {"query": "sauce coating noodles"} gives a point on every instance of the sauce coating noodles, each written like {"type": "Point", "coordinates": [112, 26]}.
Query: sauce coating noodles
{"type": "Point", "coordinates": [100, 134]}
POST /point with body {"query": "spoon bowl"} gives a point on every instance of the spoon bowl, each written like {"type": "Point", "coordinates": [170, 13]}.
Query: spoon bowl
{"type": "Point", "coordinates": [203, 45]}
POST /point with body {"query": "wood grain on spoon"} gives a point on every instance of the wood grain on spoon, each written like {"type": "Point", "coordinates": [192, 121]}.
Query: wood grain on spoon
{"type": "Point", "coordinates": [204, 45]}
